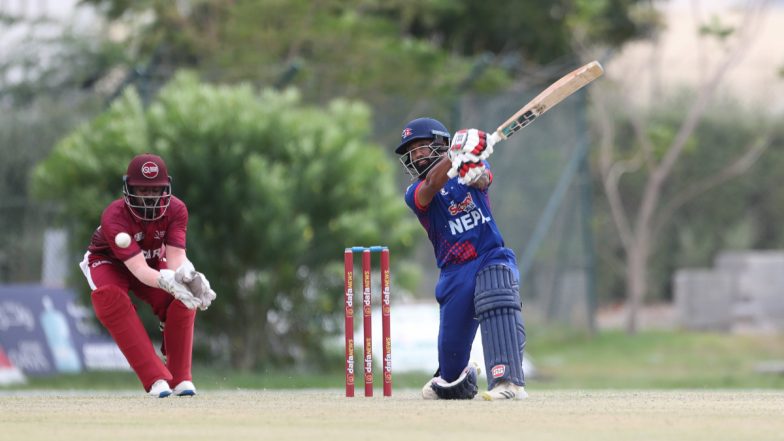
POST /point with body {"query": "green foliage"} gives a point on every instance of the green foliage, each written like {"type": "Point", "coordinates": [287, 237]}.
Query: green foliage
{"type": "Point", "coordinates": [275, 191]}
{"type": "Point", "coordinates": [363, 48]}
{"type": "Point", "coordinates": [534, 30]}
{"type": "Point", "coordinates": [343, 50]}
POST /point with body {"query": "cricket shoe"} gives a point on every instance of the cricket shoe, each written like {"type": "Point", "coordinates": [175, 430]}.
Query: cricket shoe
{"type": "Point", "coordinates": [461, 389]}
{"type": "Point", "coordinates": [505, 390]}
{"type": "Point", "coordinates": [427, 390]}
{"type": "Point", "coordinates": [185, 389]}
{"type": "Point", "coordinates": [160, 389]}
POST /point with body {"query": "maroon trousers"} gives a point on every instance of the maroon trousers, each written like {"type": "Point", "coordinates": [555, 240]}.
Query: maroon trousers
{"type": "Point", "coordinates": [114, 309]}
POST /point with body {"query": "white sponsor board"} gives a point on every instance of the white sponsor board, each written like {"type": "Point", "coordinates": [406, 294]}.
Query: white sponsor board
{"type": "Point", "coordinates": [414, 328]}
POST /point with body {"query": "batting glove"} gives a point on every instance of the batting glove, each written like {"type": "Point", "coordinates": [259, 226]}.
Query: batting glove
{"type": "Point", "coordinates": [467, 172]}
{"type": "Point", "coordinates": [470, 145]}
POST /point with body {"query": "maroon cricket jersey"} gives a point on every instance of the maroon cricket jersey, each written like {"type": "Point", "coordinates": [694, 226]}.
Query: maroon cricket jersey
{"type": "Point", "coordinates": [147, 237]}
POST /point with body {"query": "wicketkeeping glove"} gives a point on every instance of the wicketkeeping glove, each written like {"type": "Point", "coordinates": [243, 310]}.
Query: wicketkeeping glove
{"type": "Point", "coordinates": [197, 283]}
{"type": "Point", "coordinates": [167, 282]}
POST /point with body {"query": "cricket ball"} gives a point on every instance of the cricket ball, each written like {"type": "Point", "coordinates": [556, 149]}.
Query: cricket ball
{"type": "Point", "coordinates": [123, 240]}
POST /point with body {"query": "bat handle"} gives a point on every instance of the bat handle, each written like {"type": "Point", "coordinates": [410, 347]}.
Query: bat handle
{"type": "Point", "coordinates": [496, 137]}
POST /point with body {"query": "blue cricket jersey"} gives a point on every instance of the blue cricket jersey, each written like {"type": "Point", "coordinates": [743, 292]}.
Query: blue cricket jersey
{"type": "Point", "coordinates": [458, 222]}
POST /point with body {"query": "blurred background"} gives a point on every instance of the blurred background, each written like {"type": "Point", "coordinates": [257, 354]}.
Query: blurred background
{"type": "Point", "coordinates": [644, 210]}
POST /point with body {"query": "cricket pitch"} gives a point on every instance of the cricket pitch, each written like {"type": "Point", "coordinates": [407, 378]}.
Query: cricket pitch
{"type": "Point", "coordinates": [326, 415]}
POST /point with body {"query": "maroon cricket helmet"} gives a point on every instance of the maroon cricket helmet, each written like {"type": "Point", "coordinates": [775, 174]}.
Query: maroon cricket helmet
{"type": "Point", "coordinates": [147, 170]}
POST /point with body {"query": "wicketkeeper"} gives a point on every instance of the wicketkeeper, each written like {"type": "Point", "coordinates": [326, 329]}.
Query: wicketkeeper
{"type": "Point", "coordinates": [140, 236]}
{"type": "Point", "coordinates": [479, 280]}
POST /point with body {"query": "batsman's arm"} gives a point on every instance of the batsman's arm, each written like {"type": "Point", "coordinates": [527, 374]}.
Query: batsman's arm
{"type": "Point", "coordinates": [434, 182]}
{"type": "Point", "coordinates": [483, 181]}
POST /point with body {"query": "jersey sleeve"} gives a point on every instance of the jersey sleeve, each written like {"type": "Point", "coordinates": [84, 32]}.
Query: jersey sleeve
{"type": "Point", "coordinates": [411, 200]}
{"type": "Point", "coordinates": [178, 225]}
{"type": "Point", "coordinates": [112, 224]}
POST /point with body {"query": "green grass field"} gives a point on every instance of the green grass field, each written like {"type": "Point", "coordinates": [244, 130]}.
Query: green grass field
{"type": "Point", "coordinates": [653, 386]}
{"type": "Point", "coordinates": [656, 359]}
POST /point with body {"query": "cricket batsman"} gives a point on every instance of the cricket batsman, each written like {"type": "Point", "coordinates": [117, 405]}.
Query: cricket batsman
{"type": "Point", "coordinates": [141, 235]}
{"type": "Point", "coordinates": [479, 281]}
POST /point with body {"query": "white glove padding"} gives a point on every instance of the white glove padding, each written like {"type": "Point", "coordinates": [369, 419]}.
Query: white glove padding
{"type": "Point", "coordinates": [197, 283]}
{"type": "Point", "coordinates": [468, 172]}
{"type": "Point", "coordinates": [470, 145]}
{"type": "Point", "coordinates": [185, 272]}
{"type": "Point", "coordinates": [168, 283]}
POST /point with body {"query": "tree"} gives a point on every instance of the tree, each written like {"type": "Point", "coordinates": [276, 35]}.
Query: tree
{"type": "Point", "coordinates": [275, 191]}
{"type": "Point", "coordinates": [654, 158]}
{"type": "Point", "coordinates": [366, 48]}
{"type": "Point", "coordinates": [534, 31]}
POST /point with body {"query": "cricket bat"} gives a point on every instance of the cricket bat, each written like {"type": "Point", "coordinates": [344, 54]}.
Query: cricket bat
{"type": "Point", "coordinates": [557, 92]}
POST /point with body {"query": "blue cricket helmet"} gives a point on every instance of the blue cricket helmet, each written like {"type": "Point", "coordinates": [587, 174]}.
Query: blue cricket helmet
{"type": "Point", "coordinates": [422, 128]}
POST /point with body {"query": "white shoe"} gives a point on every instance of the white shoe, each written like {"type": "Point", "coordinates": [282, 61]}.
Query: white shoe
{"type": "Point", "coordinates": [505, 390]}
{"type": "Point", "coordinates": [427, 392]}
{"type": "Point", "coordinates": [185, 389]}
{"type": "Point", "coordinates": [160, 389]}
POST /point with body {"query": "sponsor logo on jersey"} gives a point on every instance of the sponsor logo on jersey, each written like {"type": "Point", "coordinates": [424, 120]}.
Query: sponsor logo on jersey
{"type": "Point", "coordinates": [498, 370]}
{"type": "Point", "coordinates": [98, 263]}
{"type": "Point", "coordinates": [465, 206]}
{"type": "Point", "coordinates": [473, 215]}
{"type": "Point", "coordinates": [138, 237]}
{"type": "Point", "coordinates": [152, 254]}
{"type": "Point", "coordinates": [159, 234]}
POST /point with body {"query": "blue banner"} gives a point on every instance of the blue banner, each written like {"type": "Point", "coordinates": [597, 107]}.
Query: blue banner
{"type": "Point", "coordinates": [45, 331]}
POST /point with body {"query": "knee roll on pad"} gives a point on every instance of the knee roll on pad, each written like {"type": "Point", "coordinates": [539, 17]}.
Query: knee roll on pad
{"type": "Point", "coordinates": [497, 306]}
{"type": "Point", "coordinates": [464, 388]}
{"type": "Point", "coordinates": [496, 288]}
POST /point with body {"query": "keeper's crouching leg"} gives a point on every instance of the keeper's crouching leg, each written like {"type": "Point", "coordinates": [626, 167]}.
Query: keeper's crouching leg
{"type": "Point", "coordinates": [178, 339]}
{"type": "Point", "coordinates": [115, 311]}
